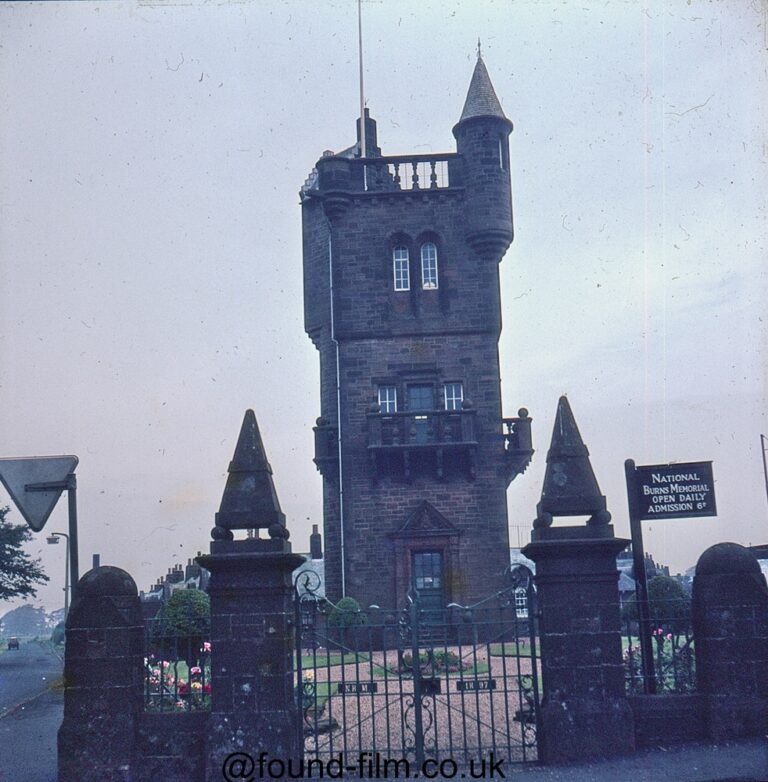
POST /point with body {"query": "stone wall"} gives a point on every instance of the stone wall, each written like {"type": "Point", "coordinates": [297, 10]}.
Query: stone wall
{"type": "Point", "coordinates": [730, 626]}
{"type": "Point", "coordinates": [107, 736]}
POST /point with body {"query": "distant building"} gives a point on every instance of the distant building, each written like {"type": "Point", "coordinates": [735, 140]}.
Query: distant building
{"type": "Point", "coordinates": [761, 552]}
{"type": "Point", "coordinates": [191, 576]}
{"type": "Point", "coordinates": [310, 576]}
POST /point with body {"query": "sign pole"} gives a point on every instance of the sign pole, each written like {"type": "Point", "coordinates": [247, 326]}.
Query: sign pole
{"type": "Point", "coordinates": [70, 484]}
{"type": "Point", "coordinates": [74, 564]}
{"type": "Point", "coordinates": [763, 439]}
{"type": "Point", "coordinates": [641, 580]}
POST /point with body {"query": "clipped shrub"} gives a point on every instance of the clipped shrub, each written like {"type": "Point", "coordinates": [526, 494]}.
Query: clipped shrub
{"type": "Point", "coordinates": [347, 613]}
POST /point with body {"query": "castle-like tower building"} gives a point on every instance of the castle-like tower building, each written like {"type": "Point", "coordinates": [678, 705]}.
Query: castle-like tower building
{"type": "Point", "coordinates": [402, 301]}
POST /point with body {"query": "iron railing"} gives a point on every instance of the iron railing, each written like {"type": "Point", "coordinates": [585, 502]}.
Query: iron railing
{"type": "Point", "coordinates": [673, 648]}
{"type": "Point", "coordinates": [177, 670]}
{"type": "Point", "coordinates": [457, 682]}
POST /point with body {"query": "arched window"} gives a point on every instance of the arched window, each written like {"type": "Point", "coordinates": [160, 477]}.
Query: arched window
{"type": "Point", "coordinates": [428, 266]}
{"type": "Point", "coordinates": [400, 268]}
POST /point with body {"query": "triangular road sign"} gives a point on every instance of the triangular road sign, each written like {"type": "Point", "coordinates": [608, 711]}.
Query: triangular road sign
{"type": "Point", "coordinates": [36, 506]}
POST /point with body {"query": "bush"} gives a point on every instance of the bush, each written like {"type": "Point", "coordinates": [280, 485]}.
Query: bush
{"type": "Point", "coordinates": [182, 626]}
{"type": "Point", "coordinates": [347, 613]}
{"type": "Point", "coordinates": [343, 623]}
{"type": "Point", "coordinates": [669, 605]}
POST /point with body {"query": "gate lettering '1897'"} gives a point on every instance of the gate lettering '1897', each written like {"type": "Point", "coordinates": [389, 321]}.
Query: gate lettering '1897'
{"type": "Point", "coordinates": [475, 684]}
{"type": "Point", "coordinates": [672, 491]}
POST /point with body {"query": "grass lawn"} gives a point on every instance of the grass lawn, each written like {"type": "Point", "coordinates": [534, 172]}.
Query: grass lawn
{"type": "Point", "coordinates": [511, 649]}
{"type": "Point", "coordinates": [325, 658]}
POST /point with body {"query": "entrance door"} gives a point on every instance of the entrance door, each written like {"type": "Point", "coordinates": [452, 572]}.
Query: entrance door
{"type": "Point", "coordinates": [421, 397]}
{"type": "Point", "coordinates": [427, 569]}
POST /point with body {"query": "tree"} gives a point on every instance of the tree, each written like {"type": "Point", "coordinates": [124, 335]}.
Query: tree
{"type": "Point", "coordinates": [59, 635]}
{"type": "Point", "coordinates": [183, 624]}
{"type": "Point", "coordinates": [24, 620]}
{"type": "Point", "coordinates": [669, 604]}
{"type": "Point", "coordinates": [19, 573]}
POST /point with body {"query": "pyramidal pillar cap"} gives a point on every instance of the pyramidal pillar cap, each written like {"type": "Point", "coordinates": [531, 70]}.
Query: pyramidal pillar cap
{"type": "Point", "coordinates": [570, 486]}
{"type": "Point", "coordinates": [250, 499]}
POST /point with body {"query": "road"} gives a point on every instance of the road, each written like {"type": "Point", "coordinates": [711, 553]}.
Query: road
{"type": "Point", "coordinates": [30, 713]}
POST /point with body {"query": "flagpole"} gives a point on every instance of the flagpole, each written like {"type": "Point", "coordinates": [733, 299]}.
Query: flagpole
{"type": "Point", "coordinates": [363, 148]}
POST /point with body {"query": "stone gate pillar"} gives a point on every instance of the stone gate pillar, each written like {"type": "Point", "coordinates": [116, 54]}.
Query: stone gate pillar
{"type": "Point", "coordinates": [730, 630]}
{"type": "Point", "coordinates": [252, 708]}
{"type": "Point", "coordinates": [584, 712]}
{"type": "Point", "coordinates": [103, 678]}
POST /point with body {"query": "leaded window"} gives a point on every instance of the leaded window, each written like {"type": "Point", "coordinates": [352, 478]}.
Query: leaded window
{"type": "Point", "coordinates": [521, 603]}
{"type": "Point", "coordinates": [453, 395]}
{"type": "Point", "coordinates": [428, 266]}
{"type": "Point", "coordinates": [388, 399]}
{"type": "Point", "coordinates": [400, 268]}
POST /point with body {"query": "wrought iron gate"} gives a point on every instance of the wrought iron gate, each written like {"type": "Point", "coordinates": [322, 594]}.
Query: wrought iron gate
{"type": "Point", "coordinates": [376, 687]}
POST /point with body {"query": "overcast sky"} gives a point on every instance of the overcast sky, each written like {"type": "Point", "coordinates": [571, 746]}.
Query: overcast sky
{"type": "Point", "coordinates": [150, 242]}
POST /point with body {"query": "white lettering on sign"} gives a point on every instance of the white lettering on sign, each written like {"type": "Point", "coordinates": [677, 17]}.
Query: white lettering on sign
{"type": "Point", "coordinates": [675, 491]}
{"type": "Point", "coordinates": [675, 507]}
{"type": "Point", "coordinates": [657, 477]}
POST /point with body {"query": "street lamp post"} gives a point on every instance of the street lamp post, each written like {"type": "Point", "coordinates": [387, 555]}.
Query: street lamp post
{"type": "Point", "coordinates": [53, 538]}
{"type": "Point", "coordinates": [763, 440]}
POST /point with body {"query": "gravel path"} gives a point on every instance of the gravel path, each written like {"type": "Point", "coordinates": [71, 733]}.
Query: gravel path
{"type": "Point", "coordinates": [458, 719]}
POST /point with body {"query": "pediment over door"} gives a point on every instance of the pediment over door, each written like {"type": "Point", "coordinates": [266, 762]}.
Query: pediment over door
{"type": "Point", "coordinates": [426, 521]}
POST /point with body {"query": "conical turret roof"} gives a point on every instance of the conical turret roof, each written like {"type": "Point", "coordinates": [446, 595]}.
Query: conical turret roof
{"type": "Point", "coordinates": [249, 500]}
{"type": "Point", "coordinates": [570, 486]}
{"type": "Point", "coordinates": [481, 97]}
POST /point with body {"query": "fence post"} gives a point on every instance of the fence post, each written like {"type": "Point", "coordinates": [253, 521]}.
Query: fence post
{"type": "Point", "coordinates": [730, 630]}
{"type": "Point", "coordinates": [103, 675]}
{"type": "Point", "coordinates": [253, 706]}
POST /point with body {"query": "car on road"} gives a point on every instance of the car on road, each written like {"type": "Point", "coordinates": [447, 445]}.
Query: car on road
{"type": "Point", "coordinates": [13, 642]}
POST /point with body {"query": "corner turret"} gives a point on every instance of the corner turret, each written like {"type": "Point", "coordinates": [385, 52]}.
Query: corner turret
{"type": "Point", "coordinates": [482, 139]}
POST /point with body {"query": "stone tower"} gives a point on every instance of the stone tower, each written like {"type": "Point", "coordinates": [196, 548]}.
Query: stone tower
{"type": "Point", "coordinates": [401, 299]}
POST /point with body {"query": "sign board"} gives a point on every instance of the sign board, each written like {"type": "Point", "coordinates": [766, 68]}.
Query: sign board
{"type": "Point", "coordinates": [674, 491]}
{"type": "Point", "coordinates": [20, 475]}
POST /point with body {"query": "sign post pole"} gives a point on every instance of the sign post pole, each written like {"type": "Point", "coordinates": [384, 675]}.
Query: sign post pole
{"type": "Point", "coordinates": [35, 485]}
{"type": "Point", "coordinates": [74, 564]}
{"type": "Point", "coordinates": [641, 581]}
{"type": "Point", "coordinates": [70, 484]}
{"type": "Point", "coordinates": [655, 492]}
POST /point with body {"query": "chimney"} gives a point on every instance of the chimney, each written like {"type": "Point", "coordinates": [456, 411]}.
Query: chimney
{"type": "Point", "coordinates": [315, 544]}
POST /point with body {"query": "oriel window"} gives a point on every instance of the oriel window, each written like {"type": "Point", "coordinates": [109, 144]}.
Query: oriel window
{"type": "Point", "coordinates": [401, 268]}
{"type": "Point", "coordinates": [428, 266]}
